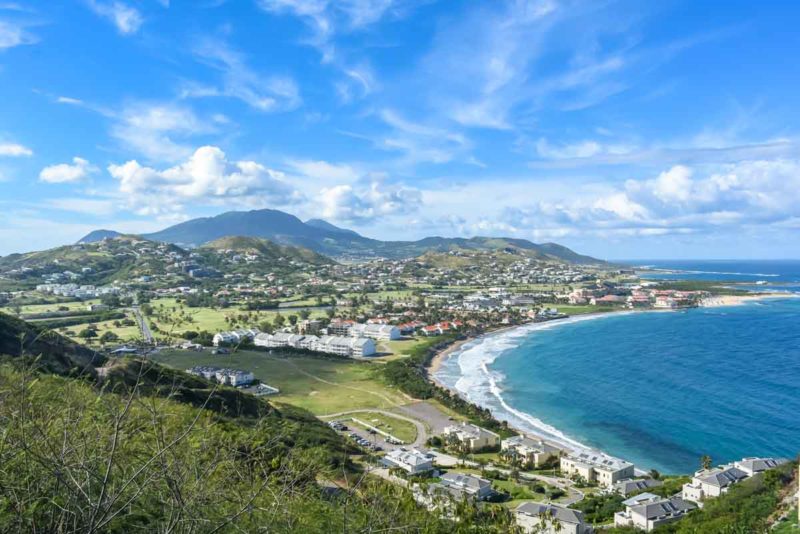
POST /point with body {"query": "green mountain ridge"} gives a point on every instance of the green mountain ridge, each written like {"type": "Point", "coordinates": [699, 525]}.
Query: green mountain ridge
{"type": "Point", "coordinates": [325, 238]}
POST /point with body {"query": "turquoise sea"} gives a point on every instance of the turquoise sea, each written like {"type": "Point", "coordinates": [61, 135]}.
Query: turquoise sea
{"type": "Point", "coordinates": [659, 389]}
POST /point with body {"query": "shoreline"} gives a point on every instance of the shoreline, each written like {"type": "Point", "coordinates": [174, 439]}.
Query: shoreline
{"type": "Point", "coordinates": [569, 444]}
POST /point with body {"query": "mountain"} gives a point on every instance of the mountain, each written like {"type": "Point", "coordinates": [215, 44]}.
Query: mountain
{"type": "Point", "coordinates": [98, 235]}
{"type": "Point", "coordinates": [325, 238]}
{"type": "Point", "coordinates": [325, 225]}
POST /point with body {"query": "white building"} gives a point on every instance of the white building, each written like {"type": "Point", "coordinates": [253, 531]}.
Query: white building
{"type": "Point", "coordinates": [532, 451]}
{"type": "Point", "coordinates": [531, 516]}
{"type": "Point", "coordinates": [234, 337]}
{"type": "Point", "coordinates": [475, 437]}
{"type": "Point", "coordinates": [381, 332]}
{"type": "Point", "coordinates": [626, 487]}
{"type": "Point", "coordinates": [646, 513]}
{"type": "Point", "coordinates": [752, 466]}
{"type": "Point", "coordinates": [413, 461]}
{"type": "Point", "coordinates": [455, 487]}
{"type": "Point", "coordinates": [234, 377]}
{"type": "Point", "coordinates": [709, 483]}
{"type": "Point", "coordinates": [596, 467]}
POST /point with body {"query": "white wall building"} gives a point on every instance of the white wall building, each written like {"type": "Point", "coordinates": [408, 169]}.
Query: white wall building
{"type": "Point", "coordinates": [412, 461]}
{"type": "Point", "coordinates": [648, 512]}
{"type": "Point", "coordinates": [531, 450]}
{"type": "Point", "coordinates": [597, 467]}
{"type": "Point", "coordinates": [473, 436]}
{"type": "Point", "coordinates": [557, 519]}
{"type": "Point", "coordinates": [381, 332]}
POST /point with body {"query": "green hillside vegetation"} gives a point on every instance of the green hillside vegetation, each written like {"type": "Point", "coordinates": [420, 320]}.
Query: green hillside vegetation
{"type": "Point", "coordinates": [268, 250]}
{"type": "Point", "coordinates": [96, 445]}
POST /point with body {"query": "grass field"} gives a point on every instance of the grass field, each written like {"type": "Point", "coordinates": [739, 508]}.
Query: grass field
{"type": "Point", "coordinates": [211, 319]}
{"type": "Point", "coordinates": [44, 308]}
{"type": "Point", "coordinates": [320, 385]}
{"type": "Point", "coordinates": [402, 430]}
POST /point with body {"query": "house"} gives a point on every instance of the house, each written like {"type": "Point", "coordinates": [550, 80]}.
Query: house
{"type": "Point", "coordinates": [752, 466]}
{"type": "Point", "coordinates": [596, 467]}
{"type": "Point", "coordinates": [340, 327]}
{"type": "Point", "coordinates": [235, 337]}
{"type": "Point", "coordinates": [413, 461]}
{"type": "Point", "coordinates": [556, 519]}
{"type": "Point", "coordinates": [433, 330]}
{"type": "Point", "coordinates": [475, 437]}
{"type": "Point", "coordinates": [206, 372]}
{"type": "Point", "coordinates": [382, 332]}
{"type": "Point", "coordinates": [310, 326]}
{"type": "Point", "coordinates": [627, 487]}
{"type": "Point", "coordinates": [709, 483]}
{"type": "Point", "coordinates": [458, 486]}
{"type": "Point", "coordinates": [533, 451]}
{"type": "Point", "coordinates": [346, 346]}
{"type": "Point", "coordinates": [648, 514]}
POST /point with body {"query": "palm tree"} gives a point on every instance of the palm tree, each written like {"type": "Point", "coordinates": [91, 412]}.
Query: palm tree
{"type": "Point", "coordinates": [705, 461]}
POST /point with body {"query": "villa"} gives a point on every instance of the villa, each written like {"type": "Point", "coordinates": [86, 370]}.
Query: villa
{"type": "Point", "coordinates": [475, 437]}
{"type": "Point", "coordinates": [626, 487]}
{"type": "Point", "coordinates": [648, 511]}
{"type": "Point", "coordinates": [381, 332]}
{"type": "Point", "coordinates": [597, 467]}
{"type": "Point", "coordinates": [413, 461]}
{"type": "Point", "coordinates": [557, 519]}
{"type": "Point", "coordinates": [709, 483]}
{"type": "Point", "coordinates": [533, 451]}
{"type": "Point", "coordinates": [753, 466]}
{"type": "Point", "coordinates": [457, 486]}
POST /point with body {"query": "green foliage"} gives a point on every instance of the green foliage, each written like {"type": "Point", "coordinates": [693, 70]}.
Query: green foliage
{"type": "Point", "coordinates": [598, 508]}
{"type": "Point", "coordinates": [744, 509]}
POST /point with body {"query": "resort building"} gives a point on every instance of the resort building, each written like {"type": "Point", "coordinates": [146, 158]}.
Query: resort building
{"type": "Point", "coordinates": [531, 516]}
{"type": "Point", "coordinates": [413, 461]}
{"type": "Point", "coordinates": [710, 483]}
{"type": "Point", "coordinates": [234, 377]}
{"type": "Point", "coordinates": [647, 514]}
{"type": "Point", "coordinates": [596, 467]}
{"type": "Point", "coordinates": [627, 487]}
{"type": "Point", "coordinates": [475, 437]}
{"type": "Point", "coordinates": [234, 337]}
{"type": "Point", "coordinates": [343, 346]}
{"type": "Point", "coordinates": [753, 466]}
{"type": "Point", "coordinates": [532, 451]}
{"type": "Point", "coordinates": [456, 486]}
{"type": "Point", "coordinates": [381, 332]}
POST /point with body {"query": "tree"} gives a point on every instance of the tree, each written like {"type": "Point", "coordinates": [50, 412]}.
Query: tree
{"type": "Point", "coordinates": [305, 314]}
{"type": "Point", "coordinates": [655, 474]}
{"type": "Point", "coordinates": [87, 333]}
{"type": "Point", "coordinates": [109, 337]}
{"type": "Point", "coordinates": [293, 319]}
{"type": "Point", "coordinates": [705, 461]}
{"type": "Point", "coordinates": [279, 320]}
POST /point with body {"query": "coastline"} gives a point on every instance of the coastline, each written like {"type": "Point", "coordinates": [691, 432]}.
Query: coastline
{"type": "Point", "coordinates": [529, 424]}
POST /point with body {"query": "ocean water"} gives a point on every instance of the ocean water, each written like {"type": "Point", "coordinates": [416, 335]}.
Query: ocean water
{"type": "Point", "coordinates": [659, 389]}
{"type": "Point", "coordinates": [778, 274]}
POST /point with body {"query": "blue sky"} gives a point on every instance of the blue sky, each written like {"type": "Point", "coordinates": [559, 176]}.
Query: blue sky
{"type": "Point", "coordinates": [624, 129]}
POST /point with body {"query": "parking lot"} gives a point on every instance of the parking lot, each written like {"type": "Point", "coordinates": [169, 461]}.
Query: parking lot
{"type": "Point", "coordinates": [362, 437]}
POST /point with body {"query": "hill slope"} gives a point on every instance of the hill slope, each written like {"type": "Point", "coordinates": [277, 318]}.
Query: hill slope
{"type": "Point", "coordinates": [325, 238]}
{"type": "Point", "coordinates": [267, 249]}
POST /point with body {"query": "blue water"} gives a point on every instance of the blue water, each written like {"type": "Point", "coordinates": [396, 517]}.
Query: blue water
{"type": "Point", "coordinates": [778, 274]}
{"type": "Point", "coordinates": [659, 389]}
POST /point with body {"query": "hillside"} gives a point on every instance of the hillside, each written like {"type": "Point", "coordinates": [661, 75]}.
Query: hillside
{"type": "Point", "coordinates": [142, 447]}
{"type": "Point", "coordinates": [98, 235]}
{"type": "Point", "coordinates": [267, 250]}
{"type": "Point", "coordinates": [325, 238]}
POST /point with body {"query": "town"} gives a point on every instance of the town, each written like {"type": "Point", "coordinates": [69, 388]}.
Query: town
{"type": "Point", "coordinates": [333, 338]}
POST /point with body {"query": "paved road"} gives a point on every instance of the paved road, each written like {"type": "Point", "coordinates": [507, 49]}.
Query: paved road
{"type": "Point", "coordinates": [143, 326]}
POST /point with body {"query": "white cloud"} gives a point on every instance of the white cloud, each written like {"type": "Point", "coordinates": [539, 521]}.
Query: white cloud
{"type": "Point", "coordinates": [67, 173]}
{"type": "Point", "coordinates": [83, 205]}
{"type": "Point", "coordinates": [367, 202]}
{"type": "Point", "coordinates": [126, 18]}
{"type": "Point", "coordinates": [264, 93]}
{"type": "Point", "coordinates": [14, 150]}
{"type": "Point", "coordinates": [12, 35]}
{"type": "Point", "coordinates": [159, 131]}
{"type": "Point", "coordinates": [324, 171]}
{"type": "Point", "coordinates": [207, 178]}
{"type": "Point", "coordinates": [420, 142]}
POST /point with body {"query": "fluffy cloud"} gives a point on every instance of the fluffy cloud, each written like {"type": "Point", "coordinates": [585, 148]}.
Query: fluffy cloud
{"type": "Point", "coordinates": [67, 173]}
{"type": "Point", "coordinates": [126, 18]}
{"type": "Point", "coordinates": [207, 177]}
{"type": "Point", "coordinates": [749, 193]}
{"type": "Point", "coordinates": [364, 203]}
{"type": "Point", "coordinates": [14, 150]}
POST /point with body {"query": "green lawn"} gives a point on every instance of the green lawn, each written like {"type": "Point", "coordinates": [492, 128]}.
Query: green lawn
{"type": "Point", "coordinates": [44, 308]}
{"type": "Point", "coordinates": [210, 319]}
{"type": "Point", "coordinates": [402, 430]}
{"type": "Point", "coordinates": [320, 385]}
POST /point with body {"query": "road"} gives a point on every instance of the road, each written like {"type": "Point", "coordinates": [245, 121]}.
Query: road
{"type": "Point", "coordinates": [143, 326]}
